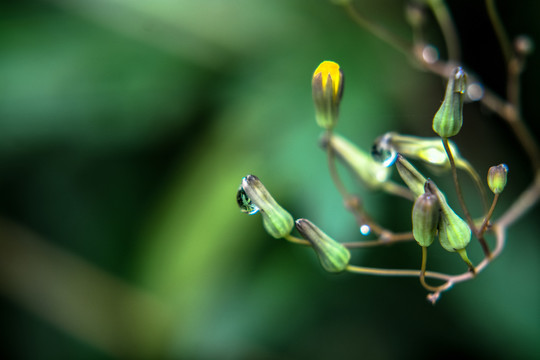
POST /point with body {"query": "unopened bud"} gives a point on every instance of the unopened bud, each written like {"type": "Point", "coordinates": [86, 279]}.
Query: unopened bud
{"type": "Point", "coordinates": [252, 197]}
{"type": "Point", "coordinates": [429, 150]}
{"type": "Point", "coordinates": [410, 176]}
{"type": "Point", "coordinates": [334, 257]}
{"type": "Point", "coordinates": [425, 218]}
{"type": "Point", "coordinates": [327, 88]}
{"type": "Point", "coordinates": [497, 178]}
{"type": "Point", "coordinates": [449, 118]}
{"type": "Point", "coordinates": [454, 232]}
{"type": "Point", "coordinates": [370, 172]}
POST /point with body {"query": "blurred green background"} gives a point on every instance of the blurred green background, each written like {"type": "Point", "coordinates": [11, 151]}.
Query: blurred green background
{"type": "Point", "coordinates": [125, 129]}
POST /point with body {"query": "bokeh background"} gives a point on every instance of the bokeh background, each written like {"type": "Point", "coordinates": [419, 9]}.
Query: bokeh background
{"type": "Point", "coordinates": [125, 129]}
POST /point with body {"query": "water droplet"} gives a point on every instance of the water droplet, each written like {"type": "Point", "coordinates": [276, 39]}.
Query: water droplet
{"type": "Point", "coordinates": [365, 229]}
{"type": "Point", "coordinates": [430, 54]}
{"type": "Point", "coordinates": [383, 151]}
{"type": "Point", "coordinates": [475, 91]}
{"type": "Point", "coordinates": [244, 202]}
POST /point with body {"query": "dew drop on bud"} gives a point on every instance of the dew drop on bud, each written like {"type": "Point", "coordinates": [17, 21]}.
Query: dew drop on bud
{"type": "Point", "coordinates": [244, 202]}
{"type": "Point", "coordinates": [383, 151]}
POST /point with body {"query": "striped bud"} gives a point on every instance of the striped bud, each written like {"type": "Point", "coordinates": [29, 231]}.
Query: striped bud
{"type": "Point", "coordinates": [425, 218]}
{"type": "Point", "coordinates": [410, 176]}
{"type": "Point", "coordinates": [454, 232]}
{"type": "Point", "coordinates": [449, 118]}
{"type": "Point", "coordinates": [253, 196]}
{"type": "Point", "coordinates": [327, 89]}
{"type": "Point", "coordinates": [334, 257]}
{"type": "Point", "coordinates": [497, 178]}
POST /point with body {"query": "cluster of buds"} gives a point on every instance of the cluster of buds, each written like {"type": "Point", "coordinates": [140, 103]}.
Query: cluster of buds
{"type": "Point", "coordinates": [253, 197]}
{"type": "Point", "coordinates": [432, 216]}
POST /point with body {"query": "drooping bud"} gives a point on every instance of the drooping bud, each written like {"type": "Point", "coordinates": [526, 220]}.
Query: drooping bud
{"type": "Point", "coordinates": [412, 177]}
{"type": "Point", "coordinates": [497, 178]}
{"type": "Point", "coordinates": [252, 197]}
{"type": "Point", "coordinates": [370, 172]}
{"type": "Point", "coordinates": [449, 118]}
{"type": "Point", "coordinates": [425, 218]}
{"type": "Point", "coordinates": [327, 89]}
{"type": "Point", "coordinates": [333, 256]}
{"type": "Point", "coordinates": [454, 232]}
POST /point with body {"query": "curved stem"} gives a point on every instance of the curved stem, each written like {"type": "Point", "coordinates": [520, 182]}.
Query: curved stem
{"type": "Point", "coordinates": [379, 31]}
{"type": "Point", "coordinates": [333, 169]}
{"type": "Point", "coordinates": [457, 185]}
{"type": "Point", "coordinates": [485, 247]}
{"type": "Point", "coordinates": [465, 165]}
{"type": "Point", "coordinates": [386, 238]}
{"type": "Point", "coordinates": [394, 272]}
{"type": "Point", "coordinates": [443, 17]}
{"type": "Point", "coordinates": [423, 272]}
{"type": "Point", "coordinates": [496, 22]}
{"type": "Point", "coordinates": [398, 190]}
{"type": "Point", "coordinates": [484, 225]}
{"type": "Point", "coordinates": [296, 240]}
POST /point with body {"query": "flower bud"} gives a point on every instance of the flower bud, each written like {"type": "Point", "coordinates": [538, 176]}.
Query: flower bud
{"type": "Point", "coordinates": [497, 178]}
{"type": "Point", "coordinates": [449, 118]}
{"type": "Point", "coordinates": [425, 218]}
{"type": "Point", "coordinates": [334, 257]}
{"type": "Point", "coordinates": [429, 150]}
{"type": "Point", "coordinates": [252, 197]}
{"type": "Point", "coordinates": [454, 232]}
{"type": "Point", "coordinates": [370, 172]}
{"type": "Point", "coordinates": [327, 89]}
{"type": "Point", "coordinates": [412, 177]}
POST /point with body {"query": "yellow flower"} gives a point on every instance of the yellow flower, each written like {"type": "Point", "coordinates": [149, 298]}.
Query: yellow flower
{"type": "Point", "coordinates": [327, 88]}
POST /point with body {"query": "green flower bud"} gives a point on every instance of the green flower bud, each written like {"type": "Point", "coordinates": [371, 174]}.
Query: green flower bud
{"type": "Point", "coordinates": [327, 88]}
{"type": "Point", "coordinates": [454, 232]}
{"type": "Point", "coordinates": [252, 197]}
{"type": "Point", "coordinates": [449, 118]}
{"type": "Point", "coordinates": [429, 150]}
{"type": "Point", "coordinates": [497, 178]}
{"type": "Point", "coordinates": [425, 218]}
{"type": "Point", "coordinates": [412, 177]}
{"type": "Point", "coordinates": [370, 172]}
{"type": "Point", "coordinates": [334, 257]}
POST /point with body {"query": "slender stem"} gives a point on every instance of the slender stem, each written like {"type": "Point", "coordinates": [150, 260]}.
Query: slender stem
{"type": "Point", "coordinates": [386, 238]}
{"type": "Point", "coordinates": [449, 32]}
{"type": "Point", "coordinates": [333, 169]}
{"type": "Point", "coordinates": [489, 214]}
{"type": "Point", "coordinates": [398, 190]}
{"type": "Point", "coordinates": [395, 272]}
{"type": "Point", "coordinates": [423, 272]}
{"type": "Point", "coordinates": [465, 165]}
{"type": "Point", "coordinates": [379, 31]}
{"type": "Point", "coordinates": [497, 24]}
{"type": "Point", "coordinates": [457, 185]}
{"type": "Point", "coordinates": [296, 240]}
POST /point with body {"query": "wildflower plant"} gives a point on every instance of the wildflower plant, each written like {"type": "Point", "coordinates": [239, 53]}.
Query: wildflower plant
{"type": "Point", "coordinates": [432, 216]}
